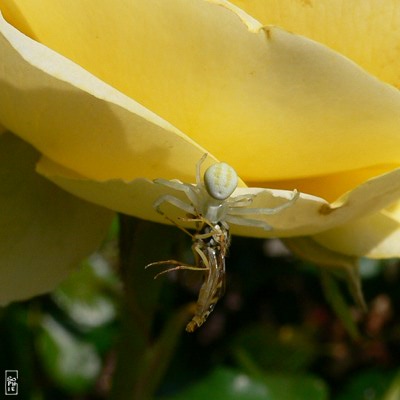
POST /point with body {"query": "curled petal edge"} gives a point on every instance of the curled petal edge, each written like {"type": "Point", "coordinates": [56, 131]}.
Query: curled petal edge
{"type": "Point", "coordinates": [309, 215]}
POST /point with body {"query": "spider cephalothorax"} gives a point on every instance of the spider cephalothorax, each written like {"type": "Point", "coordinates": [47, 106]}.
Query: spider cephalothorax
{"type": "Point", "coordinates": [212, 199]}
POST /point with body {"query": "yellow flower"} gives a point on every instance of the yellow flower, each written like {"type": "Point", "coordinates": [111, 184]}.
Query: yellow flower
{"type": "Point", "coordinates": [113, 94]}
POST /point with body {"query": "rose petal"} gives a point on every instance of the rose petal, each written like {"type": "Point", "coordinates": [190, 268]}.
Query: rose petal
{"type": "Point", "coordinates": [137, 198]}
{"type": "Point", "coordinates": [80, 121]}
{"type": "Point", "coordinates": [44, 231]}
{"type": "Point", "coordinates": [367, 31]}
{"type": "Point", "coordinates": [310, 250]}
{"type": "Point", "coordinates": [331, 186]}
{"type": "Point", "coordinates": [308, 215]}
{"type": "Point", "coordinates": [374, 236]}
{"type": "Point", "coordinates": [287, 106]}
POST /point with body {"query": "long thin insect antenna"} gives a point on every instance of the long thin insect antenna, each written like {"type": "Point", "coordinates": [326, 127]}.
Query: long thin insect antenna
{"type": "Point", "coordinates": [167, 262]}
{"type": "Point", "coordinates": [183, 229]}
{"type": "Point", "coordinates": [198, 219]}
{"type": "Point", "coordinates": [201, 223]}
{"type": "Point", "coordinates": [177, 268]}
{"type": "Point", "coordinates": [214, 229]}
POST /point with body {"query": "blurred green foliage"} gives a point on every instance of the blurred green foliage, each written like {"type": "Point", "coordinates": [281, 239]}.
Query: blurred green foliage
{"type": "Point", "coordinates": [111, 331]}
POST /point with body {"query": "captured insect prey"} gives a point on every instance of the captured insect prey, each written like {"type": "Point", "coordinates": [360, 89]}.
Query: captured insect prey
{"type": "Point", "coordinates": [211, 256]}
{"type": "Point", "coordinates": [212, 208]}
{"type": "Point", "coordinates": [210, 244]}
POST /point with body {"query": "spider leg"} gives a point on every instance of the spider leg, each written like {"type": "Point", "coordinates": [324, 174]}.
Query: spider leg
{"type": "Point", "coordinates": [243, 200]}
{"type": "Point", "coordinates": [264, 211]}
{"type": "Point", "coordinates": [182, 187]}
{"type": "Point", "coordinates": [198, 169]}
{"type": "Point", "coordinates": [192, 192]}
{"type": "Point", "coordinates": [239, 220]}
{"type": "Point", "coordinates": [175, 202]}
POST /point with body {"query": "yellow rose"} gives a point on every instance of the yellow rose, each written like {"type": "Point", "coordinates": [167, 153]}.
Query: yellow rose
{"type": "Point", "coordinates": [113, 94]}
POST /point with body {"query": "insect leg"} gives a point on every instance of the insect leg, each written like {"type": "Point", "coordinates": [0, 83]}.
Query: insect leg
{"type": "Point", "coordinates": [197, 250]}
{"type": "Point", "coordinates": [177, 203]}
{"type": "Point", "coordinates": [179, 266]}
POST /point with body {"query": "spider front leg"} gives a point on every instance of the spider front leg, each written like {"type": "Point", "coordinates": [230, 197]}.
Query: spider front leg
{"type": "Point", "coordinates": [179, 186]}
{"type": "Point", "coordinates": [238, 216]}
{"type": "Point", "coordinates": [190, 190]}
{"type": "Point", "coordinates": [243, 221]}
{"type": "Point", "coordinates": [178, 203]}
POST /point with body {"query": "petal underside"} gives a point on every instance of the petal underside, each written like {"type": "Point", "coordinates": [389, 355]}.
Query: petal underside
{"type": "Point", "coordinates": [85, 124]}
{"type": "Point", "coordinates": [309, 215]}
{"type": "Point", "coordinates": [373, 236]}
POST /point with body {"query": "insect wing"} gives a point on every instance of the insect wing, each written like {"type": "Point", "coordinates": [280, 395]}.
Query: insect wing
{"type": "Point", "coordinates": [221, 281]}
{"type": "Point", "coordinates": [216, 278]}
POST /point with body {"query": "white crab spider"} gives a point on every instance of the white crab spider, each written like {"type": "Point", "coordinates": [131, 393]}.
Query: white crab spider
{"type": "Point", "coordinates": [211, 201]}
{"type": "Point", "coordinates": [211, 204]}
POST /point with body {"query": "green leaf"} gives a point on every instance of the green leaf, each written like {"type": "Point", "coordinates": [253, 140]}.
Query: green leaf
{"type": "Point", "coordinates": [393, 393]}
{"type": "Point", "coordinates": [158, 356]}
{"type": "Point", "coordinates": [224, 383]}
{"type": "Point", "coordinates": [143, 357]}
{"type": "Point", "coordinates": [371, 384]}
{"type": "Point", "coordinates": [44, 231]}
{"type": "Point", "coordinates": [330, 263]}
{"type": "Point", "coordinates": [73, 364]}
{"type": "Point", "coordinates": [337, 302]}
{"type": "Point", "coordinates": [286, 350]}
{"type": "Point", "coordinates": [86, 294]}
{"type": "Point", "coordinates": [308, 249]}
